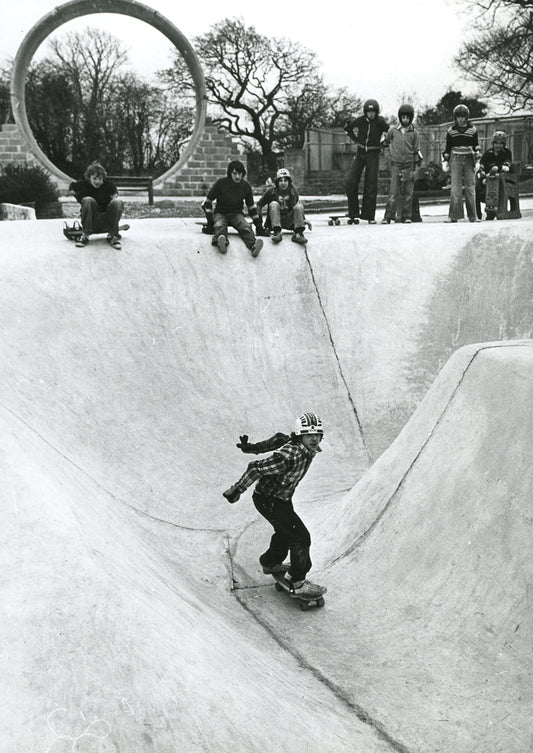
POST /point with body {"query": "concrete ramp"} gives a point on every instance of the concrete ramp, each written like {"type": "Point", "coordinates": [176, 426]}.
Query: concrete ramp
{"type": "Point", "coordinates": [135, 616]}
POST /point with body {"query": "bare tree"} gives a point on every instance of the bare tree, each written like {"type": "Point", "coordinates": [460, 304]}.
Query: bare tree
{"type": "Point", "coordinates": [500, 55]}
{"type": "Point", "coordinates": [264, 90]}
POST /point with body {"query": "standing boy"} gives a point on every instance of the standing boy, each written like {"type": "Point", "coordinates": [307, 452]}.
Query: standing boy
{"type": "Point", "coordinates": [368, 131]}
{"type": "Point", "coordinates": [462, 152]}
{"type": "Point", "coordinates": [230, 194]}
{"type": "Point", "coordinates": [101, 209]}
{"type": "Point", "coordinates": [284, 208]}
{"type": "Point", "coordinates": [404, 143]}
{"type": "Point", "coordinates": [277, 477]}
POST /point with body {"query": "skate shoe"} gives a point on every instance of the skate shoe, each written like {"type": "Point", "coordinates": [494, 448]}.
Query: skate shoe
{"type": "Point", "coordinates": [277, 237]}
{"type": "Point", "coordinates": [256, 248]}
{"type": "Point", "coordinates": [222, 243]}
{"type": "Point", "coordinates": [114, 241]}
{"type": "Point", "coordinates": [307, 589]}
{"type": "Point", "coordinates": [82, 241]}
{"type": "Point", "coordinates": [299, 238]}
{"type": "Point", "coordinates": [385, 221]}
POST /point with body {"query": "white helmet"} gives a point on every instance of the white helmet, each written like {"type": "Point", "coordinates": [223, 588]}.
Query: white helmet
{"type": "Point", "coordinates": [309, 423]}
{"type": "Point", "coordinates": [283, 173]}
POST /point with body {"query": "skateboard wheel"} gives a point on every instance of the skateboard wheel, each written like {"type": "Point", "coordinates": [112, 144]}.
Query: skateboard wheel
{"type": "Point", "coordinates": [330, 222]}
{"type": "Point", "coordinates": [278, 587]}
{"type": "Point", "coordinates": [337, 222]}
{"type": "Point", "coordinates": [304, 606]}
{"type": "Point", "coordinates": [320, 602]}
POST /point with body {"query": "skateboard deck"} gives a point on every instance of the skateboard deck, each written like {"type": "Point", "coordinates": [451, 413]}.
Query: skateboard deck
{"type": "Point", "coordinates": [492, 193]}
{"type": "Point", "coordinates": [74, 231]}
{"type": "Point", "coordinates": [305, 602]}
{"type": "Point", "coordinates": [335, 219]}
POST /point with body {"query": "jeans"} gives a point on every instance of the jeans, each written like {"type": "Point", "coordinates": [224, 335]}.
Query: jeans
{"type": "Point", "coordinates": [236, 220]}
{"type": "Point", "coordinates": [400, 204]}
{"type": "Point", "coordinates": [294, 219]}
{"type": "Point", "coordinates": [462, 173]}
{"type": "Point", "coordinates": [93, 220]}
{"type": "Point", "coordinates": [369, 162]}
{"type": "Point", "coordinates": [290, 534]}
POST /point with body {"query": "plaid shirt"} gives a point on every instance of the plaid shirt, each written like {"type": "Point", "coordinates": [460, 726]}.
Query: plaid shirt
{"type": "Point", "coordinates": [279, 474]}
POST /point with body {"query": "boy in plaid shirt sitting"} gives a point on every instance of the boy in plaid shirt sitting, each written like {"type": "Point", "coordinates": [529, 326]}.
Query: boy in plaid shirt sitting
{"type": "Point", "coordinates": [277, 477]}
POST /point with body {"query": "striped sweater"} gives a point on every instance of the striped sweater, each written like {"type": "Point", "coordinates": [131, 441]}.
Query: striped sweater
{"type": "Point", "coordinates": [461, 141]}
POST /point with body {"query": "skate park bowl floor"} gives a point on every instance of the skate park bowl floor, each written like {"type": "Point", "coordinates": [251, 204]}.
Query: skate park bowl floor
{"type": "Point", "coordinates": [135, 614]}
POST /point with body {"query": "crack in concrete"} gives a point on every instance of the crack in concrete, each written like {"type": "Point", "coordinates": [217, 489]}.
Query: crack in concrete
{"type": "Point", "coordinates": [337, 359]}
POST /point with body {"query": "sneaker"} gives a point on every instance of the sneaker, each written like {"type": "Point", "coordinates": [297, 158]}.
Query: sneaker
{"type": "Point", "coordinates": [278, 569]}
{"type": "Point", "coordinates": [385, 221]}
{"type": "Point", "coordinates": [371, 222]}
{"type": "Point", "coordinates": [450, 219]}
{"type": "Point", "coordinates": [407, 222]}
{"type": "Point", "coordinates": [256, 248]}
{"type": "Point", "coordinates": [82, 241]}
{"type": "Point", "coordinates": [277, 237]}
{"type": "Point", "coordinates": [114, 241]}
{"type": "Point", "coordinates": [306, 588]}
{"type": "Point", "coordinates": [222, 243]}
{"type": "Point", "coordinates": [299, 238]}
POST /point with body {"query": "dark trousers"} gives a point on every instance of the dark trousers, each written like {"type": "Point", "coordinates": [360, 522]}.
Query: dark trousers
{"type": "Point", "coordinates": [369, 162]}
{"type": "Point", "coordinates": [93, 220]}
{"type": "Point", "coordinates": [290, 535]}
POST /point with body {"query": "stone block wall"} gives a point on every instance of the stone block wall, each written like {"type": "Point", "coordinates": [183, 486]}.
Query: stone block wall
{"type": "Point", "coordinates": [12, 147]}
{"type": "Point", "coordinates": [209, 161]}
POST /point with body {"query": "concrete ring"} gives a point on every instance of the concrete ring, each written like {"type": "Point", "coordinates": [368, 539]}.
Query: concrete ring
{"type": "Point", "coordinates": [74, 9]}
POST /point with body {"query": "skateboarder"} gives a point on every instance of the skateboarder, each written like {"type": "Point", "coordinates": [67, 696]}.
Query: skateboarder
{"type": "Point", "coordinates": [101, 209]}
{"type": "Point", "coordinates": [278, 476]}
{"type": "Point", "coordinates": [494, 161]}
{"type": "Point", "coordinates": [461, 154]}
{"type": "Point", "coordinates": [230, 194]}
{"type": "Point", "coordinates": [284, 208]}
{"type": "Point", "coordinates": [404, 143]}
{"type": "Point", "coordinates": [368, 132]}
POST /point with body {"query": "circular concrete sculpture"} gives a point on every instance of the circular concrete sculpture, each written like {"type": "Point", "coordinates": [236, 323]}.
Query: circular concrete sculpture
{"type": "Point", "coordinates": [74, 9]}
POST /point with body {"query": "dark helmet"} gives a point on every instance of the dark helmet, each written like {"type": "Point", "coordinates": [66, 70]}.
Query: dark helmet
{"type": "Point", "coordinates": [459, 110]}
{"type": "Point", "coordinates": [408, 110]}
{"type": "Point", "coordinates": [500, 136]}
{"type": "Point", "coordinates": [238, 166]}
{"type": "Point", "coordinates": [371, 104]}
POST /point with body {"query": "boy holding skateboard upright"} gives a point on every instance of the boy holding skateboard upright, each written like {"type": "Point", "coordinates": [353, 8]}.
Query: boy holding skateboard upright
{"type": "Point", "coordinates": [278, 476]}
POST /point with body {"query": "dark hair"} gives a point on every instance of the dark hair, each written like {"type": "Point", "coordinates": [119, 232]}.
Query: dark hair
{"type": "Point", "coordinates": [238, 166]}
{"type": "Point", "coordinates": [95, 168]}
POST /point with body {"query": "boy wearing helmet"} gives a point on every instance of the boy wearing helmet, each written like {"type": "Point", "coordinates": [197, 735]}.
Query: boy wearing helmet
{"type": "Point", "coordinates": [230, 194]}
{"type": "Point", "coordinates": [462, 152]}
{"type": "Point", "coordinates": [404, 144]}
{"type": "Point", "coordinates": [368, 132]}
{"type": "Point", "coordinates": [284, 208]}
{"type": "Point", "coordinates": [277, 477]}
{"type": "Point", "coordinates": [494, 161]}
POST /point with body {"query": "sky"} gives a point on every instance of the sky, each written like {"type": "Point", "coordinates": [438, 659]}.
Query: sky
{"type": "Point", "coordinates": [388, 51]}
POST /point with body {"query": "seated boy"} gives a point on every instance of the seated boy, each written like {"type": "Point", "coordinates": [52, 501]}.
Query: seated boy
{"type": "Point", "coordinates": [229, 195]}
{"type": "Point", "coordinates": [101, 209]}
{"type": "Point", "coordinates": [495, 160]}
{"type": "Point", "coordinates": [277, 477]}
{"type": "Point", "coordinates": [284, 208]}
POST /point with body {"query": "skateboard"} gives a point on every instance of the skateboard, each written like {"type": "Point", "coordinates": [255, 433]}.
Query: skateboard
{"type": "Point", "coordinates": [305, 602]}
{"type": "Point", "coordinates": [335, 219]}
{"type": "Point", "coordinates": [73, 232]}
{"type": "Point", "coordinates": [492, 195]}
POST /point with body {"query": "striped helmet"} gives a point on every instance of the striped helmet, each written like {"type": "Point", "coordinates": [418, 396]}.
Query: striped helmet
{"type": "Point", "coordinates": [308, 423]}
